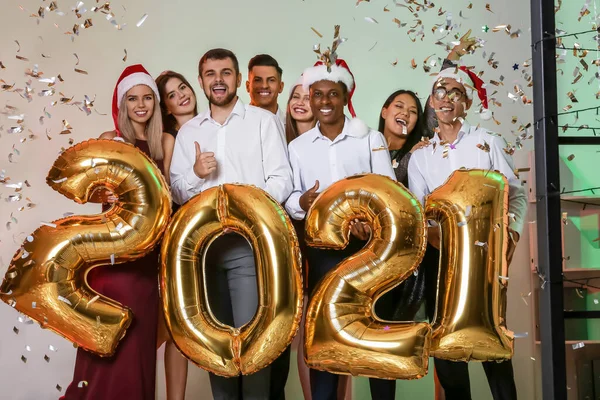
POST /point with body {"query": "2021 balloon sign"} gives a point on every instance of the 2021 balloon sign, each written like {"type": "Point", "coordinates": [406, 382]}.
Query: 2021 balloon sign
{"type": "Point", "coordinates": [46, 279]}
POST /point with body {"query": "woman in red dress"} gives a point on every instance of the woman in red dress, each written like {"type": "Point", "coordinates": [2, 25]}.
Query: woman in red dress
{"type": "Point", "coordinates": [131, 372]}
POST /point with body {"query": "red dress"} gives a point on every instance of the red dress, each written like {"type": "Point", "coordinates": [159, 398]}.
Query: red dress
{"type": "Point", "coordinates": [131, 372]}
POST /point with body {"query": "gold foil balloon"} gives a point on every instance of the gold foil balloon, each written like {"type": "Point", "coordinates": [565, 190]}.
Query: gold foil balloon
{"type": "Point", "coordinates": [46, 279]}
{"type": "Point", "coordinates": [469, 324]}
{"type": "Point", "coordinates": [342, 333]}
{"type": "Point", "coordinates": [214, 346]}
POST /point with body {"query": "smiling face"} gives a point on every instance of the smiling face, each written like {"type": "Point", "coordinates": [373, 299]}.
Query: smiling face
{"type": "Point", "coordinates": [179, 98]}
{"type": "Point", "coordinates": [327, 101]}
{"type": "Point", "coordinates": [219, 81]}
{"type": "Point", "coordinates": [140, 103]}
{"type": "Point", "coordinates": [264, 85]}
{"type": "Point", "coordinates": [401, 115]}
{"type": "Point", "coordinates": [449, 108]}
{"type": "Point", "coordinates": [299, 105]}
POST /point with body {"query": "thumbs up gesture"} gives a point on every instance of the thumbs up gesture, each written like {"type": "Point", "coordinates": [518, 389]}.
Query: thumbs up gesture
{"type": "Point", "coordinates": [205, 164]}
{"type": "Point", "coordinates": [309, 197]}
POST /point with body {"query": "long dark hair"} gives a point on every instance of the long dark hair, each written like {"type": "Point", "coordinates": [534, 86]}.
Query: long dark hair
{"type": "Point", "coordinates": [169, 121]}
{"type": "Point", "coordinates": [291, 127]}
{"type": "Point", "coordinates": [419, 130]}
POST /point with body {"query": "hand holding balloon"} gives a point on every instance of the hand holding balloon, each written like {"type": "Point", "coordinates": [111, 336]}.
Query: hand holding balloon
{"type": "Point", "coordinates": [308, 197]}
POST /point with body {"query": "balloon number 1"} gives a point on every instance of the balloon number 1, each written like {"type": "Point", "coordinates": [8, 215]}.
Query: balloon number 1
{"type": "Point", "coordinates": [343, 334]}
{"type": "Point", "coordinates": [469, 324]}
{"type": "Point", "coordinates": [46, 279]}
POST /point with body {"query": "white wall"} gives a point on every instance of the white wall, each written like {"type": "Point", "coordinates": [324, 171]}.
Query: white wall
{"type": "Point", "coordinates": [174, 36]}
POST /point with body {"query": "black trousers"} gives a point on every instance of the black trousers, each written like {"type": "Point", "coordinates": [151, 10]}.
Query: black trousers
{"type": "Point", "coordinates": [453, 375]}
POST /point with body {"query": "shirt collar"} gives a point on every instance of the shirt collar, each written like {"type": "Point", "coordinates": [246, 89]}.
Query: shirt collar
{"type": "Point", "coordinates": [346, 131]}
{"type": "Point", "coordinates": [464, 130]}
{"type": "Point", "coordinates": [239, 109]}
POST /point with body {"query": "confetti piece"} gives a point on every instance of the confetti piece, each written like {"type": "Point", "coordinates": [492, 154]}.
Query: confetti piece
{"type": "Point", "coordinates": [28, 348]}
{"type": "Point", "coordinates": [532, 358]}
{"type": "Point", "coordinates": [92, 301]}
{"type": "Point", "coordinates": [65, 300]}
{"type": "Point", "coordinates": [503, 277]}
{"type": "Point", "coordinates": [488, 7]}
{"type": "Point", "coordinates": [52, 348]}
{"type": "Point", "coordinates": [46, 358]}
{"type": "Point", "coordinates": [112, 259]}
{"type": "Point", "coordinates": [15, 330]}
{"type": "Point", "coordinates": [316, 32]}
{"type": "Point", "coordinates": [59, 388]}
{"type": "Point", "coordinates": [596, 301]}
{"type": "Point", "coordinates": [24, 359]}
{"type": "Point", "coordinates": [579, 345]}
{"type": "Point", "coordinates": [371, 19]}
{"type": "Point", "coordinates": [125, 58]}
{"type": "Point", "coordinates": [521, 335]}
{"type": "Point", "coordinates": [22, 58]}
{"type": "Point", "coordinates": [142, 20]}
{"type": "Point", "coordinates": [481, 244]}
{"type": "Point", "coordinates": [413, 64]}
{"type": "Point", "coordinates": [82, 384]}
{"type": "Point", "coordinates": [571, 157]}
{"type": "Point", "coordinates": [80, 71]}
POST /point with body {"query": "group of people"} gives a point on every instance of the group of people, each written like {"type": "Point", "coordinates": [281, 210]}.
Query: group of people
{"type": "Point", "coordinates": [292, 153]}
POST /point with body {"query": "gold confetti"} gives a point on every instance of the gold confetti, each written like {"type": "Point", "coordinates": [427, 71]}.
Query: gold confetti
{"type": "Point", "coordinates": [316, 32]}
{"type": "Point", "coordinates": [413, 64]}
{"type": "Point", "coordinates": [125, 58]}
{"type": "Point", "coordinates": [572, 97]}
{"type": "Point", "coordinates": [22, 58]}
{"type": "Point", "coordinates": [488, 7]}
{"type": "Point", "coordinates": [80, 71]}
{"type": "Point", "coordinates": [571, 157]}
{"type": "Point", "coordinates": [385, 9]}
{"type": "Point", "coordinates": [485, 146]}
{"type": "Point", "coordinates": [394, 63]}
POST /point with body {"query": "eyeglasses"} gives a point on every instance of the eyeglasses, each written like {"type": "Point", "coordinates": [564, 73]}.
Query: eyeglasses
{"type": "Point", "coordinates": [455, 95]}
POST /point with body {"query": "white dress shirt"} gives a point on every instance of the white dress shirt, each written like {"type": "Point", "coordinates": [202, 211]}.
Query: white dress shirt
{"type": "Point", "coordinates": [249, 149]}
{"type": "Point", "coordinates": [429, 169]}
{"type": "Point", "coordinates": [357, 150]}
{"type": "Point", "coordinates": [281, 115]}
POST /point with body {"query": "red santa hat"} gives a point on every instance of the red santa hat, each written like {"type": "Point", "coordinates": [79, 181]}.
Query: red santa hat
{"type": "Point", "coordinates": [132, 76]}
{"type": "Point", "coordinates": [471, 82]}
{"type": "Point", "coordinates": [338, 72]}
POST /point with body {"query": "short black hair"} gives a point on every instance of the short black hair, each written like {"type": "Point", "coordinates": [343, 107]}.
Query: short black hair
{"type": "Point", "coordinates": [219, 54]}
{"type": "Point", "coordinates": [264, 60]}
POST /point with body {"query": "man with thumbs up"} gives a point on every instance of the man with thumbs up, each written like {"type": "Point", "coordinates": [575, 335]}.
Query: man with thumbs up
{"type": "Point", "coordinates": [230, 143]}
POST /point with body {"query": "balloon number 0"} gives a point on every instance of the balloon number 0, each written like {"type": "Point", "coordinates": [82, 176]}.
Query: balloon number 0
{"type": "Point", "coordinates": [343, 335]}
{"type": "Point", "coordinates": [216, 347]}
{"type": "Point", "coordinates": [46, 279]}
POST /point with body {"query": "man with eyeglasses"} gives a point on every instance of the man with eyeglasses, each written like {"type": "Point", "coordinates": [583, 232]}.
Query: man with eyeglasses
{"type": "Point", "coordinates": [455, 145]}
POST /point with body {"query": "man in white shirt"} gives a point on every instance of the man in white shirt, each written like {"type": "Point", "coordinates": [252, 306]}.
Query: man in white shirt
{"type": "Point", "coordinates": [230, 143]}
{"type": "Point", "coordinates": [457, 144]}
{"type": "Point", "coordinates": [334, 149]}
{"type": "Point", "coordinates": [264, 85]}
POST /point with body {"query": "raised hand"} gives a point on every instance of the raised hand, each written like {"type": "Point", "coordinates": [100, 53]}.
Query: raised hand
{"type": "Point", "coordinates": [205, 164]}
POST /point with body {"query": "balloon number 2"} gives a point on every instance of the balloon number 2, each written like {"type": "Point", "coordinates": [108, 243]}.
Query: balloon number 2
{"type": "Point", "coordinates": [46, 279]}
{"type": "Point", "coordinates": [343, 335]}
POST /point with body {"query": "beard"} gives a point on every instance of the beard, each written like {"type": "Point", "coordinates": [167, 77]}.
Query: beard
{"type": "Point", "coordinates": [220, 103]}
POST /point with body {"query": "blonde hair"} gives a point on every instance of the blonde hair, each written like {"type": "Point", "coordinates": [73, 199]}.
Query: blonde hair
{"type": "Point", "coordinates": [154, 129]}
